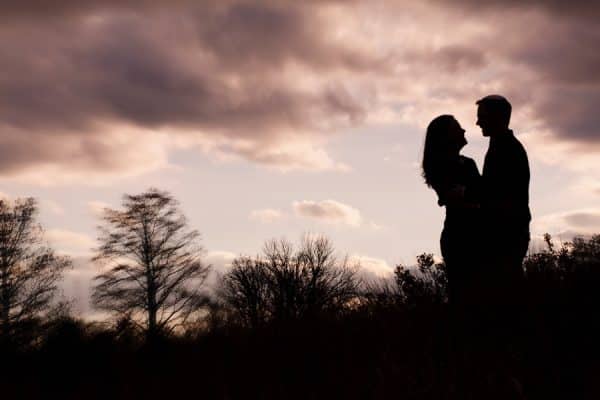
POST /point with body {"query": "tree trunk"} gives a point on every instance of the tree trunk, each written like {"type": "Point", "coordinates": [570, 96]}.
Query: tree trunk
{"type": "Point", "coordinates": [152, 310]}
{"type": "Point", "coordinates": [151, 288]}
{"type": "Point", "coordinates": [5, 304]}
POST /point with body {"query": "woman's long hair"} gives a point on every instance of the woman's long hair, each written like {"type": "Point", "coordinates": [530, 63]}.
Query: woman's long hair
{"type": "Point", "coordinates": [436, 142]}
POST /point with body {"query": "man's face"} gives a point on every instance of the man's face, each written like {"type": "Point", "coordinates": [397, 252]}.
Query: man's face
{"type": "Point", "coordinates": [485, 121]}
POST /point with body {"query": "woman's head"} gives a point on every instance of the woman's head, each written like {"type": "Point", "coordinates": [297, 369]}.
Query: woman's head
{"type": "Point", "coordinates": [444, 140]}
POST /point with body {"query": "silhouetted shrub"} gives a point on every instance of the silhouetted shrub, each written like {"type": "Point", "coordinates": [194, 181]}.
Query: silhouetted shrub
{"type": "Point", "coordinates": [570, 274]}
{"type": "Point", "coordinates": [424, 283]}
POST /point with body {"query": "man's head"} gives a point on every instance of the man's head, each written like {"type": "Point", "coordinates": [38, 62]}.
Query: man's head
{"type": "Point", "coordinates": [493, 114]}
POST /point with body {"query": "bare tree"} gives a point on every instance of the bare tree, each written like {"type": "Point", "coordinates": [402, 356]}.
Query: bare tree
{"type": "Point", "coordinates": [245, 291]}
{"type": "Point", "coordinates": [29, 269]}
{"type": "Point", "coordinates": [152, 260]}
{"type": "Point", "coordinates": [285, 284]}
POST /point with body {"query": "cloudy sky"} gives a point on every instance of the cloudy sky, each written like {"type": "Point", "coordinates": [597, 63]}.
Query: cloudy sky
{"type": "Point", "coordinates": [271, 118]}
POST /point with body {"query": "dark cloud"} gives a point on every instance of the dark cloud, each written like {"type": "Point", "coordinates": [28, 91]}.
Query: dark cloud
{"type": "Point", "coordinates": [451, 58]}
{"type": "Point", "coordinates": [215, 69]}
{"type": "Point", "coordinates": [548, 50]}
{"type": "Point", "coordinates": [117, 69]}
{"type": "Point", "coordinates": [566, 90]}
{"type": "Point", "coordinates": [571, 113]}
{"type": "Point", "coordinates": [251, 76]}
{"type": "Point", "coordinates": [541, 54]}
{"type": "Point", "coordinates": [557, 8]}
{"type": "Point", "coordinates": [14, 9]}
{"type": "Point", "coordinates": [565, 53]}
{"type": "Point", "coordinates": [268, 36]}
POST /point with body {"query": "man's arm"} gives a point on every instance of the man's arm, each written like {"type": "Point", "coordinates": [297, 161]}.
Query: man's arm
{"type": "Point", "coordinates": [513, 182]}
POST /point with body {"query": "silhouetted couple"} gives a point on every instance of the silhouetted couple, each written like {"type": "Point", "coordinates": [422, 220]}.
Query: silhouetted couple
{"type": "Point", "coordinates": [486, 230]}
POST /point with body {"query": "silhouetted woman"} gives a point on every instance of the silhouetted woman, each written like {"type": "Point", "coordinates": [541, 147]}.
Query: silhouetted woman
{"type": "Point", "coordinates": [455, 179]}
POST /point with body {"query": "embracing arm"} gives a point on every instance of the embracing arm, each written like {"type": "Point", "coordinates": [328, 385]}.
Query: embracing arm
{"type": "Point", "coordinates": [453, 195]}
{"type": "Point", "coordinates": [467, 193]}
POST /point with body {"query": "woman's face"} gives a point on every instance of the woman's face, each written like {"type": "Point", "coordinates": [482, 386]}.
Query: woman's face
{"type": "Point", "coordinates": [456, 137]}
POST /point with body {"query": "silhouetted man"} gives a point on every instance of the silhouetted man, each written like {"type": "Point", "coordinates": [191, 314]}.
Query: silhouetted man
{"type": "Point", "coordinates": [505, 202]}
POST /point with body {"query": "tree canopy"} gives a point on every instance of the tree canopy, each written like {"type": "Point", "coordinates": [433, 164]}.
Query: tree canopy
{"type": "Point", "coordinates": [152, 270]}
{"type": "Point", "coordinates": [29, 269]}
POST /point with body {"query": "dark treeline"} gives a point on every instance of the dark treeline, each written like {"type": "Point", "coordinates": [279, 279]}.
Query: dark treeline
{"type": "Point", "coordinates": [297, 321]}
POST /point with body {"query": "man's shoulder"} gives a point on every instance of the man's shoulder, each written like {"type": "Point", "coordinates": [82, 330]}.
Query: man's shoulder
{"type": "Point", "coordinates": [518, 146]}
{"type": "Point", "coordinates": [504, 155]}
{"type": "Point", "coordinates": [512, 144]}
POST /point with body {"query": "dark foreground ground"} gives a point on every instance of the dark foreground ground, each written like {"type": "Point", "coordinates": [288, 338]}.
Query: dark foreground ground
{"type": "Point", "coordinates": [550, 352]}
{"type": "Point", "coordinates": [404, 342]}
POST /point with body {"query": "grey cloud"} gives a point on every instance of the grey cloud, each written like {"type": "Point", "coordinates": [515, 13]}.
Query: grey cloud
{"type": "Point", "coordinates": [211, 70]}
{"type": "Point", "coordinates": [583, 219]}
{"type": "Point", "coordinates": [120, 71]}
{"type": "Point", "coordinates": [572, 113]}
{"type": "Point", "coordinates": [558, 8]}
{"type": "Point", "coordinates": [328, 210]}
{"type": "Point", "coordinates": [565, 53]}
{"type": "Point", "coordinates": [452, 58]}
{"type": "Point", "coordinates": [567, 89]}
{"type": "Point", "coordinates": [78, 283]}
{"type": "Point", "coordinates": [551, 49]}
{"type": "Point", "coordinates": [457, 58]}
{"type": "Point", "coordinates": [220, 262]}
{"type": "Point", "coordinates": [14, 9]}
{"type": "Point", "coordinates": [218, 72]}
{"type": "Point", "coordinates": [569, 224]}
{"type": "Point", "coordinates": [267, 36]}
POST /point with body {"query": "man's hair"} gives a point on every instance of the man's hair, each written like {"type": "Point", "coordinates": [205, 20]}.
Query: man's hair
{"type": "Point", "coordinates": [497, 105]}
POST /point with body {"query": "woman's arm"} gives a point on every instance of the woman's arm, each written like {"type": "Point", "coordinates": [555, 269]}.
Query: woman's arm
{"type": "Point", "coordinates": [465, 194]}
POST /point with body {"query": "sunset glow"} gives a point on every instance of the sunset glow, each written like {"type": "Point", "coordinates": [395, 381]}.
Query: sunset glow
{"type": "Point", "coordinates": [271, 119]}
